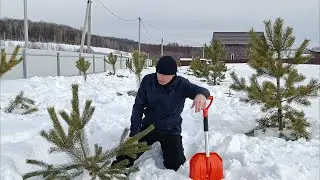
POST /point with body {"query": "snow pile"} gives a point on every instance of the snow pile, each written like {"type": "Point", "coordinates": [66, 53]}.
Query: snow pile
{"type": "Point", "coordinates": [244, 157]}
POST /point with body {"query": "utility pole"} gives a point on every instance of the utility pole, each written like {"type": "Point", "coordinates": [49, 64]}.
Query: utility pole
{"type": "Point", "coordinates": [89, 28]}
{"type": "Point", "coordinates": [26, 39]}
{"type": "Point", "coordinates": [25, 24]}
{"type": "Point", "coordinates": [161, 47]}
{"type": "Point", "coordinates": [203, 53]}
{"type": "Point", "coordinates": [0, 9]}
{"type": "Point", "coordinates": [84, 26]}
{"type": "Point", "coordinates": [139, 34]}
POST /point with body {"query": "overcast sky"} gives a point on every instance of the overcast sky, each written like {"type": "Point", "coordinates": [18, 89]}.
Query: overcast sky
{"type": "Point", "coordinates": [188, 22]}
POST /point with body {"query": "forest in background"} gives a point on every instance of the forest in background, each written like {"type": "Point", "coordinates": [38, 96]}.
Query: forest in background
{"type": "Point", "coordinates": [13, 29]}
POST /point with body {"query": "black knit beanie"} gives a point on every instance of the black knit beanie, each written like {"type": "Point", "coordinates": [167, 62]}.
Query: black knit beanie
{"type": "Point", "coordinates": [166, 65]}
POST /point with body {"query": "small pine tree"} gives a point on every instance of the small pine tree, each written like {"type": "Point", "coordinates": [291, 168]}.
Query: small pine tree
{"type": "Point", "coordinates": [154, 60]}
{"type": "Point", "coordinates": [266, 57]}
{"type": "Point", "coordinates": [74, 142]}
{"type": "Point", "coordinates": [7, 66]}
{"type": "Point", "coordinates": [216, 52]}
{"type": "Point", "coordinates": [112, 60]}
{"type": "Point", "coordinates": [137, 64]}
{"type": "Point", "coordinates": [198, 68]}
{"type": "Point", "coordinates": [83, 66]}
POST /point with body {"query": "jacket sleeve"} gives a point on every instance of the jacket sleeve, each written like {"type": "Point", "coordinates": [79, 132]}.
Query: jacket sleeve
{"type": "Point", "coordinates": [191, 90]}
{"type": "Point", "coordinates": [138, 109]}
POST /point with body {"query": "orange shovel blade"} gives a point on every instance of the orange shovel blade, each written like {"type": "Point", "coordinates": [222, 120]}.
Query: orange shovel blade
{"type": "Point", "coordinates": [203, 168]}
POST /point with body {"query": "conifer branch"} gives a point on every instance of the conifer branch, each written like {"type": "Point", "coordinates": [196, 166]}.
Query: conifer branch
{"type": "Point", "coordinates": [303, 92]}
{"type": "Point", "coordinates": [199, 69]}
{"type": "Point", "coordinates": [7, 66]}
{"type": "Point", "coordinates": [22, 103]}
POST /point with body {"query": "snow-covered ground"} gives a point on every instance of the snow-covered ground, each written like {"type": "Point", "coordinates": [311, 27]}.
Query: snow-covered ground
{"type": "Point", "coordinates": [60, 47]}
{"type": "Point", "coordinates": [249, 158]}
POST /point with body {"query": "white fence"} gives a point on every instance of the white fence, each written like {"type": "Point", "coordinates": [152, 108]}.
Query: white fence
{"type": "Point", "coordinates": [58, 63]}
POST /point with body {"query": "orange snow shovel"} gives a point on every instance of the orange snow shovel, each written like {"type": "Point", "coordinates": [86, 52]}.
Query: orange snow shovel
{"type": "Point", "coordinates": [208, 165]}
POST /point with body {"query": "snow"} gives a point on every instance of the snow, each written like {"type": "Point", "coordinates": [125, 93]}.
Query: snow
{"type": "Point", "coordinates": [61, 47]}
{"type": "Point", "coordinates": [264, 157]}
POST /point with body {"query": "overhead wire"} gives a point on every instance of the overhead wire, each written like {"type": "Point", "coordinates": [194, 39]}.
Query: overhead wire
{"type": "Point", "coordinates": [169, 34]}
{"type": "Point", "coordinates": [143, 24]}
{"type": "Point", "coordinates": [114, 13]}
{"type": "Point", "coordinates": [146, 28]}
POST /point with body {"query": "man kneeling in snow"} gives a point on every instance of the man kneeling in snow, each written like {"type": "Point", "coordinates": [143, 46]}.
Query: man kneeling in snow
{"type": "Point", "coordinates": [161, 97]}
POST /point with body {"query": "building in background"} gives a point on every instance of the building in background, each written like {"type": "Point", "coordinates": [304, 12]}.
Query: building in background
{"type": "Point", "coordinates": [315, 53]}
{"type": "Point", "coordinates": [236, 44]}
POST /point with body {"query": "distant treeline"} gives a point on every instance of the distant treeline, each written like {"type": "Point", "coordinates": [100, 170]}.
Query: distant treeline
{"type": "Point", "coordinates": [13, 29]}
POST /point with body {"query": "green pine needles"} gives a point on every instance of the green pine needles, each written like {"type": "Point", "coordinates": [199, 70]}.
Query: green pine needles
{"type": "Point", "coordinates": [154, 61]}
{"type": "Point", "coordinates": [137, 64]}
{"type": "Point", "coordinates": [83, 66]}
{"type": "Point", "coordinates": [199, 69]}
{"type": "Point", "coordinates": [216, 52]}
{"type": "Point", "coordinates": [6, 66]}
{"type": "Point", "coordinates": [21, 104]}
{"type": "Point", "coordinates": [74, 142]}
{"type": "Point", "coordinates": [281, 84]}
{"type": "Point", "coordinates": [214, 71]}
{"type": "Point", "coordinates": [112, 60]}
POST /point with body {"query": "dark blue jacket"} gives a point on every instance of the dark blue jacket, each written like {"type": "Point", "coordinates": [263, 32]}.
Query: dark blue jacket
{"type": "Point", "coordinates": [162, 105]}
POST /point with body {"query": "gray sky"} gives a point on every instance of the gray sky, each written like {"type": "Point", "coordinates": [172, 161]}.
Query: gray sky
{"type": "Point", "coordinates": [187, 22]}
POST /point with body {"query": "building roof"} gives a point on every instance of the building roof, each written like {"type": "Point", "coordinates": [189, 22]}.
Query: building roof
{"type": "Point", "coordinates": [233, 37]}
{"type": "Point", "coordinates": [190, 59]}
{"type": "Point", "coordinates": [315, 49]}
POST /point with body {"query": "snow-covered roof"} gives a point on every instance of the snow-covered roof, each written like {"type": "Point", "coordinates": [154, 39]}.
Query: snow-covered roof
{"type": "Point", "coordinates": [190, 59]}
{"type": "Point", "coordinates": [315, 49]}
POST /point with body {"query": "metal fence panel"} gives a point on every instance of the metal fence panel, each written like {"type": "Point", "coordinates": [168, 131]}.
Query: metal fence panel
{"type": "Point", "coordinates": [54, 63]}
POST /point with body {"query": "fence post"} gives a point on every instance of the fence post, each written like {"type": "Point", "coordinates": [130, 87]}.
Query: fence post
{"type": "Point", "coordinates": [104, 63]}
{"type": "Point", "coordinates": [58, 63]}
{"type": "Point", "coordinates": [121, 61]}
{"type": "Point", "coordinates": [93, 64]}
{"type": "Point", "coordinates": [24, 63]}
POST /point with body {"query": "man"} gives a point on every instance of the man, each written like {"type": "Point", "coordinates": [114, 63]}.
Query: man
{"type": "Point", "coordinates": [161, 97]}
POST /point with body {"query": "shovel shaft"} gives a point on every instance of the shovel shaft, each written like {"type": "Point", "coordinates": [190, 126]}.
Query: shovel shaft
{"type": "Point", "coordinates": [206, 127]}
{"type": "Point", "coordinates": [206, 136]}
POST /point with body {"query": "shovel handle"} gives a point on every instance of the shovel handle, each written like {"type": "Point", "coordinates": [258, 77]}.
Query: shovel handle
{"type": "Point", "coordinates": [206, 126]}
{"type": "Point", "coordinates": [205, 114]}
{"type": "Point", "coordinates": [205, 110]}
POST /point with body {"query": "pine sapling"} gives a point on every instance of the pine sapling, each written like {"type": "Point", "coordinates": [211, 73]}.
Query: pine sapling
{"type": "Point", "coordinates": [5, 65]}
{"type": "Point", "coordinates": [137, 64]}
{"type": "Point", "coordinates": [83, 66]}
{"type": "Point", "coordinates": [154, 60]}
{"type": "Point", "coordinates": [112, 60]}
{"type": "Point", "coordinates": [198, 68]}
{"type": "Point", "coordinates": [74, 142]}
{"type": "Point", "coordinates": [216, 52]}
{"type": "Point", "coordinates": [282, 83]}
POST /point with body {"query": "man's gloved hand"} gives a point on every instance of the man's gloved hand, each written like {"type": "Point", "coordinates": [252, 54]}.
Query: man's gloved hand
{"type": "Point", "coordinates": [199, 102]}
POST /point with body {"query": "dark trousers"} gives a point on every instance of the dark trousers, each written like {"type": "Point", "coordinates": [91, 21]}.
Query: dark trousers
{"type": "Point", "coordinates": [172, 149]}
